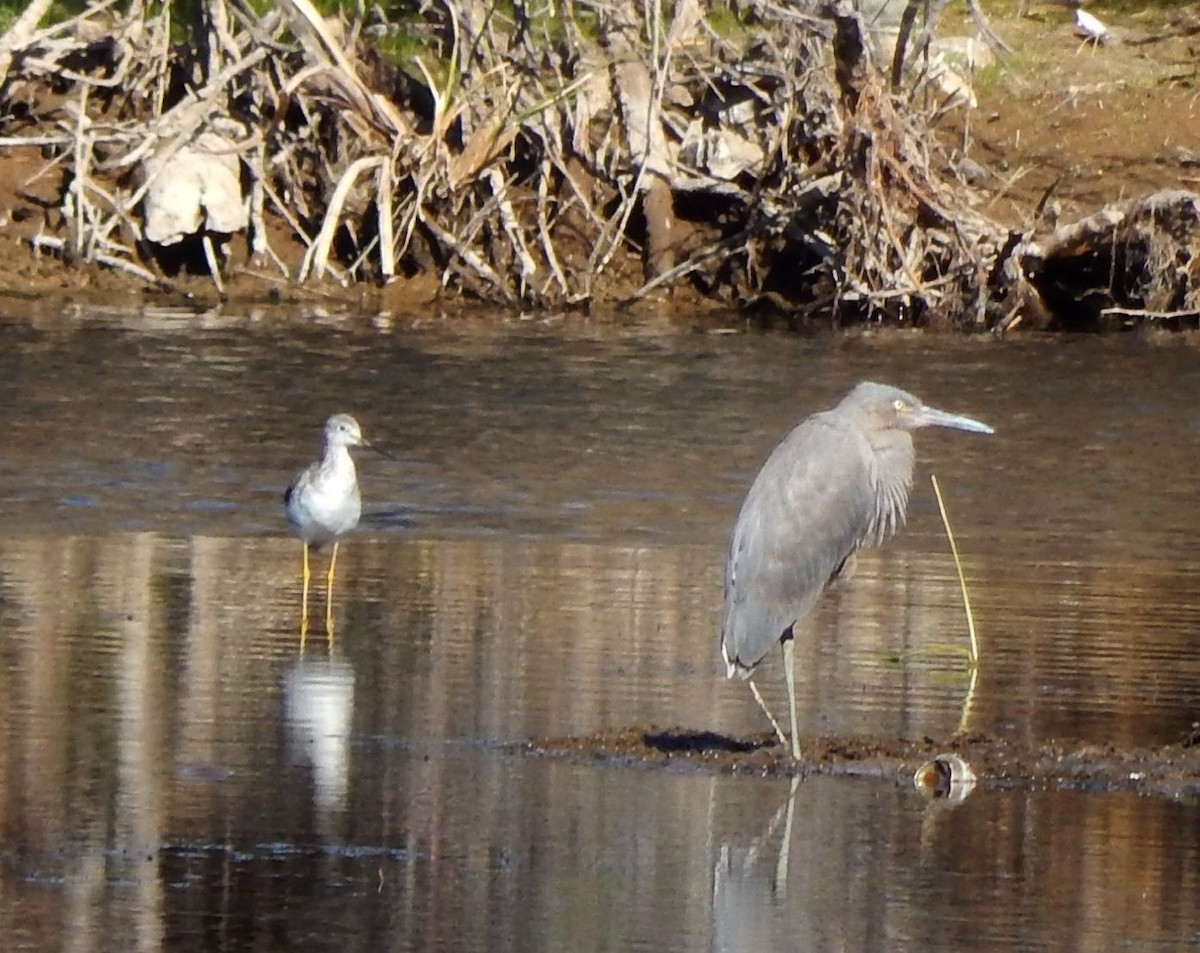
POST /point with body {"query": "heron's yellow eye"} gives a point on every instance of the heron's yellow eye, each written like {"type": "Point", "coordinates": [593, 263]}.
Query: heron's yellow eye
{"type": "Point", "coordinates": [900, 405]}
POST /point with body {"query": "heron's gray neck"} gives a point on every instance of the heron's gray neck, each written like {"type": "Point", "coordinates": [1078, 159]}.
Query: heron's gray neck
{"type": "Point", "coordinates": [892, 479]}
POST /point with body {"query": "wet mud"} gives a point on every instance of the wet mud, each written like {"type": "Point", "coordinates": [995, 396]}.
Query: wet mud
{"type": "Point", "coordinates": [1172, 770]}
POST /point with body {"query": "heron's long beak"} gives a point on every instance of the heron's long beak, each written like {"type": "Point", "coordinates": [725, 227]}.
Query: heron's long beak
{"type": "Point", "coordinates": [932, 417]}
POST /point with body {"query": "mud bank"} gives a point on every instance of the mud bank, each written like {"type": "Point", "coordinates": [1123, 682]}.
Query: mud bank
{"type": "Point", "coordinates": [746, 158]}
{"type": "Point", "coordinates": [1170, 771]}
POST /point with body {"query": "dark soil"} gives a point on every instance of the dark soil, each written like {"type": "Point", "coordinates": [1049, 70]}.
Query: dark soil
{"type": "Point", "coordinates": [1171, 771]}
{"type": "Point", "coordinates": [1089, 125]}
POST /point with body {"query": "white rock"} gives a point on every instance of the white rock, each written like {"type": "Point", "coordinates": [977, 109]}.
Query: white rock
{"type": "Point", "coordinates": [196, 189]}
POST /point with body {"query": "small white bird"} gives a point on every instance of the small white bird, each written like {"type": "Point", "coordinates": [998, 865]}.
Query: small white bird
{"type": "Point", "coordinates": [1091, 28]}
{"type": "Point", "coordinates": [323, 503]}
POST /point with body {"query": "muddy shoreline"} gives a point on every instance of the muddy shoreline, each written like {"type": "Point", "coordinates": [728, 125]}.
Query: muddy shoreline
{"type": "Point", "coordinates": [1171, 771]}
{"type": "Point", "coordinates": [1055, 134]}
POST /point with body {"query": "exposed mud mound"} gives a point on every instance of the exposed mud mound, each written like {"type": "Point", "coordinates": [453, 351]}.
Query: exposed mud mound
{"type": "Point", "coordinates": [1173, 770]}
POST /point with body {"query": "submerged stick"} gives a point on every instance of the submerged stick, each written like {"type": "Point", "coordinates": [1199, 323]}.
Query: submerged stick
{"type": "Point", "coordinates": [962, 582]}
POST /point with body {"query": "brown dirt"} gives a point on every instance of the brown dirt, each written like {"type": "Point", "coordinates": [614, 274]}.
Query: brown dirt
{"type": "Point", "coordinates": [1172, 771]}
{"type": "Point", "coordinates": [1098, 124]}
{"type": "Point", "coordinates": [1092, 126]}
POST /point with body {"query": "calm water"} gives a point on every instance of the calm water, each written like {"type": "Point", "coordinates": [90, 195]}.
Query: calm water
{"type": "Point", "coordinates": [543, 557]}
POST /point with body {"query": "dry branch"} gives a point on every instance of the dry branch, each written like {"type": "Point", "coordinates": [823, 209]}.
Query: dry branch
{"type": "Point", "coordinates": [21, 33]}
{"type": "Point", "coordinates": [1139, 259]}
{"type": "Point", "coordinates": [524, 162]}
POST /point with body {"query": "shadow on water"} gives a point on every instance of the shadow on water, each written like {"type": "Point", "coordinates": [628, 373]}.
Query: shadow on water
{"type": "Point", "coordinates": [702, 742]}
{"type": "Point", "coordinates": [543, 562]}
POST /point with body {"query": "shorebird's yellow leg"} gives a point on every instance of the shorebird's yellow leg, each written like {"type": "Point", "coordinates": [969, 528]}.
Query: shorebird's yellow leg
{"type": "Point", "coordinates": [304, 600]}
{"type": "Point", "coordinates": [329, 594]}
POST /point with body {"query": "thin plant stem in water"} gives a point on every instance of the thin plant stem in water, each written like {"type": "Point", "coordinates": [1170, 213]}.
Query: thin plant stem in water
{"type": "Point", "coordinates": [962, 581]}
{"type": "Point", "coordinates": [964, 720]}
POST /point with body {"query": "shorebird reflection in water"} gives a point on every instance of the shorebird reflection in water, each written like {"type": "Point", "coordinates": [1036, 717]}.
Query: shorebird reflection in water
{"type": "Point", "coordinates": [323, 503]}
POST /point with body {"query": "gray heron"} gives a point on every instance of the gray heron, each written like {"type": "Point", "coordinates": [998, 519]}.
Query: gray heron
{"type": "Point", "coordinates": [839, 481]}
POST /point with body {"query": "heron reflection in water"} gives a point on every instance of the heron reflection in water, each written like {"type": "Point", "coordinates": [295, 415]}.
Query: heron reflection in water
{"type": "Point", "coordinates": [837, 482]}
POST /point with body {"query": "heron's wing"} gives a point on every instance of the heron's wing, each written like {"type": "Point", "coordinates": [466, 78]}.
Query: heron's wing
{"type": "Point", "coordinates": [810, 506]}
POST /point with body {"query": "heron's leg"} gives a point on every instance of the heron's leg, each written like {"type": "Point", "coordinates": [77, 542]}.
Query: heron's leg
{"type": "Point", "coordinates": [785, 848]}
{"type": "Point", "coordinates": [789, 673]}
{"type": "Point", "coordinates": [329, 593]}
{"type": "Point", "coordinates": [767, 711]}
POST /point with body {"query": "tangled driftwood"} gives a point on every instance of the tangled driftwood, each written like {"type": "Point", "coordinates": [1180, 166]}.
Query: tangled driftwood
{"type": "Point", "coordinates": [538, 157]}
{"type": "Point", "coordinates": [1123, 265]}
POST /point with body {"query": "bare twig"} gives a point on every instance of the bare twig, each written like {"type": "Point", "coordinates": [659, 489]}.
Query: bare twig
{"type": "Point", "coordinates": [20, 34]}
{"type": "Point", "coordinates": [49, 243]}
{"type": "Point", "coordinates": [1185, 314]}
{"type": "Point", "coordinates": [317, 259]}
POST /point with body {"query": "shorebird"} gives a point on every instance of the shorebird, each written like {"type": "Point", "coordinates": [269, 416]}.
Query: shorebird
{"type": "Point", "coordinates": [323, 503]}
